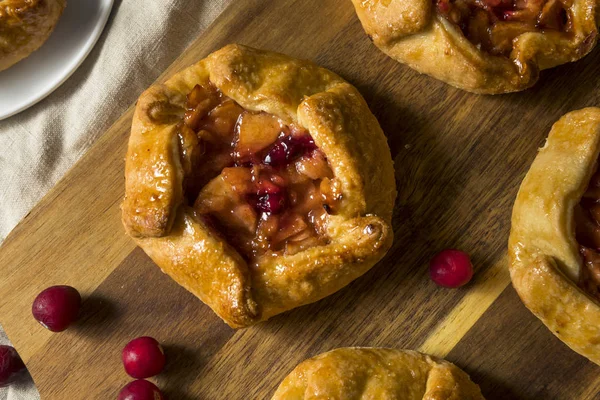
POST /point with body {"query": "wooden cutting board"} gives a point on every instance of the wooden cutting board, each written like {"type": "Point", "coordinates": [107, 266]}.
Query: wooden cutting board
{"type": "Point", "coordinates": [459, 161]}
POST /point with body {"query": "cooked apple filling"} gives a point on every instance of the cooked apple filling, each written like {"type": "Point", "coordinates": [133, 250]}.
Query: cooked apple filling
{"type": "Point", "coordinates": [492, 25]}
{"type": "Point", "coordinates": [587, 225]}
{"type": "Point", "coordinates": [262, 185]}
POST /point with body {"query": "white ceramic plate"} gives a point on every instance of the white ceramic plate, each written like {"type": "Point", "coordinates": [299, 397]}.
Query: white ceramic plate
{"type": "Point", "coordinates": [34, 78]}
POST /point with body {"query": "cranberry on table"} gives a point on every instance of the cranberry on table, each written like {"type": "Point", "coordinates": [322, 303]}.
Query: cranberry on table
{"type": "Point", "coordinates": [143, 357]}
{"type": "Point", "coordinates": [140, 390]}
{"type": "Point", "coordinates": [451, 268]}
{"type": "Point", "coordinates": [57, 307]}
{"type": "Point", "coordinates": [11, 365]}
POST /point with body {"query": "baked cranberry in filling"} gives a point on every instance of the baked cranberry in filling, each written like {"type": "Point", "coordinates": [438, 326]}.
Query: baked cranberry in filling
{"type": "Point", "coordinates": [492, 25]}
{"type": "Point", "coordinates": [263, 185]}
{"type": "Point", "coordinates": [587, 226]}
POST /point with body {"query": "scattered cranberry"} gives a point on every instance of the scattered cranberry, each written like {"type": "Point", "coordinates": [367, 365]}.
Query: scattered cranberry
{"type": "Point", "coordinates": [451, 268]}
{"type": "Point", "coordinates": [11, 365]}
{"type": "Point", "coordinates": [57, 307]}
{"type": "Point", "coordinates": [288, 148]}
{"type": "Point", "coordinates": [143, 357]}
{"type": "Point", "coordinates": [140, 390]}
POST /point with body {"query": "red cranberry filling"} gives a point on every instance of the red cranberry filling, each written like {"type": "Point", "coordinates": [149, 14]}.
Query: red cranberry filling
{"type": "Point", "coordinates": [262, 184]}
{"type": "Point", "coordinates": [288, 148]}
{"type": "Point", "coordinates": [587, 228]}
{"type": "Point", "coordinates": [492, 25]}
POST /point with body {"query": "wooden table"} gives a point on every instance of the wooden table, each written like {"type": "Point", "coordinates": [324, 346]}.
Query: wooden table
{"type": "Point", "coordinates": [459, 161]}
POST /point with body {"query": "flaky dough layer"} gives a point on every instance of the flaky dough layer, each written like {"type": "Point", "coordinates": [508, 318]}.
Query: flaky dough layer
{"type": "Point", "coordinates": [412, 32]}
{"type": "Point", "coordinates": [24, 26]}
{"type": "Point", "coordinates": [341, 125]}
{"type": "Point", "coordinates": [377, 373]}
{"type": "Point", "coordinates": [544, 255]}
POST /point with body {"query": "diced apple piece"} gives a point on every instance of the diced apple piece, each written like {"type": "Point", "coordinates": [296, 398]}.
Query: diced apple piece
{"type": "Point", "coordinates": [255, 132]}
{"type": "Point", "coordinates": [552, 15]}
{"type": "Point", "coordinates": [268, 226]}
{"type": "Point", "coordinates": [503, 34]}
{"type": "Point", "coordinates": [221, 121]}
{"type": "Point", "coordinates": [239, 179]}
{"type": "Point", "coordinates": [289, 226]}
{"type": "Point", "coordinates": [243, 217]}
{"type": "Point", "coordinates": [188, 148]}
{"type": "Point", "coordinates": [314, 166]}
{"type": "Point", "coordinates": [200, 101]}
{"type": "Point", "coordinates": [215, 197]}
{"type": "Point", "coordinates": [479, 28]}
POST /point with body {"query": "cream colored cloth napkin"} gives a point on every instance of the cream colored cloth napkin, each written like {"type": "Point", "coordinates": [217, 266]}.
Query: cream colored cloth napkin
{"type": "Point", "coordinates": [38, 145]}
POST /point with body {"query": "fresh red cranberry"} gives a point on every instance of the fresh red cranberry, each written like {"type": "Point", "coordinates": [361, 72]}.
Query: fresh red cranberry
{"type": "Point", "coordinates": [269, 198]}
{"type": "Point", "coordinates": [140, 390]}
{"type": "Point", "coordinates": [143, 357]}
{"type": "Point", "coordinates": [57, 307]}
{"type": "Point", "coordinates": [288, 148]}
{"type": "Point", "coordinates": [277, 155]}
{"type": "Point", "coordinates": [270, 203]}
{"type": "Point", "coordinates": [451, 268]}
{"type": "Point", "coordinates": [11, 365]}
{"type": "Point", "coordinates": [266, 186]}
{"type": "Point", "coordinates": [443, 6]}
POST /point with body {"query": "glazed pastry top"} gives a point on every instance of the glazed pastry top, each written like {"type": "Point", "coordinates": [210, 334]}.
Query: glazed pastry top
{"type": "Point", "coordinates": [377, 373]}
{"type": "Point", "coordinates": [552, 218]}
{"type": "Point", "coordinates": [492, 25]}
{"type": "Point", "coordinates": [258, 182]}
{"type": "Point", "coordinates": [483, 46]}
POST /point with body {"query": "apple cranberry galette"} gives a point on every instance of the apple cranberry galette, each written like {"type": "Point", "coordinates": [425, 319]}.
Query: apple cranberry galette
{"type": "Point", "coordinates": [258, 182]}
{"type": "Point", "coordinates": [377, 373]}
{"type": "Point", "coordinates": [554, 244]}
{"type": "Point", "coordinates": [483, 46]}
{"type": "Point", "coordinates": [24, 26]}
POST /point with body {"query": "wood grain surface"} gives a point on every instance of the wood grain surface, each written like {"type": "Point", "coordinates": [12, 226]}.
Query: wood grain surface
{"type": "Point", "coordinates": [459, 161]}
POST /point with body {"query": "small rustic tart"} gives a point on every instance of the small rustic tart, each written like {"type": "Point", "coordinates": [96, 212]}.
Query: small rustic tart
{"type": "Point", "coordinates": [482, 46]}
{"type": "Point", "coordinates": [258, 182]}
{"type": "Point", "coordinates": [554, 244]}
{"type": "Point", "coordinates": [24, 26]}
{"type": "Point", "coordinates": [356, 373]}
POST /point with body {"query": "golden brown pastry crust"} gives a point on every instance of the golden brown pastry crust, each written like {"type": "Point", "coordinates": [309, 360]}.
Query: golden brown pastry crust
{"type": "Point", "coordinates": [24, 26]}
{"type": "Point", "coordinates": [377, 373]}
{"type": "Point", "coordinates": [298, 92]}
{"type": "Point", "coordinates": [414, 33]}
{"type": "Point", "coordinates": [545, 263]}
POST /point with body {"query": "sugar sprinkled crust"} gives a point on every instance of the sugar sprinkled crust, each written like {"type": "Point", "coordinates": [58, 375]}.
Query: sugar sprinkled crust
{"type": "Point", "coordinates": [415, 33]}
{"type": "Point", "coordinates": [24, 26]}
{"type": "Point", "coordinates": [545, 264]}
{"type": "Point", "coordinates": [377, 373]}
{"type": "Point", "coordinates": [342, 126]}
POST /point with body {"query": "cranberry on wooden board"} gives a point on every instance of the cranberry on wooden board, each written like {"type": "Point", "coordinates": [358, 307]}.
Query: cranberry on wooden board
{"type": "Point", "coordinates": [451, 268]}
{"type": "Point", "coordinates": [143, 357]}
{"type": "Point", "coordinates": [57, 307]}
{"type": "Point", "coordinates": [11, 365]}
{"type": "Point", "coordinates": [140, 390]}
